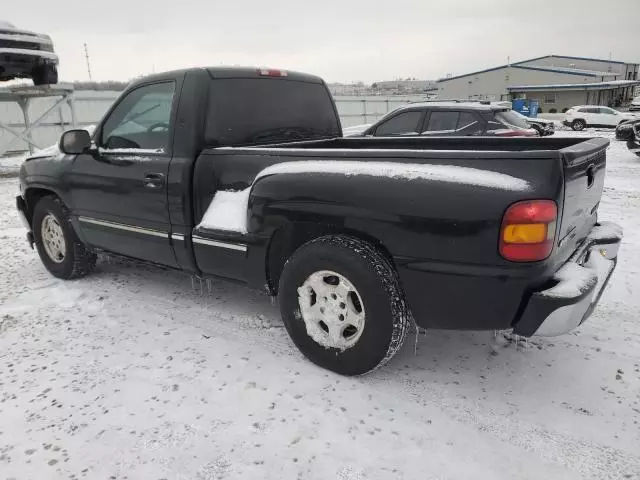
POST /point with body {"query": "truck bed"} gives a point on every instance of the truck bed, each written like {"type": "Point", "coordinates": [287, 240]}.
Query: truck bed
{"type": "Point", "coordinates": [440, 215]}
{"type": "Point", "coordinates": [465, 145]}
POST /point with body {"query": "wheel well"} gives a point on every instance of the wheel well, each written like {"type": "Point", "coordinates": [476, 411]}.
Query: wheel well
{"type": "Point", "coordinates": [32, 196]}
{"type": "Point", "coordinates": [288, 239]}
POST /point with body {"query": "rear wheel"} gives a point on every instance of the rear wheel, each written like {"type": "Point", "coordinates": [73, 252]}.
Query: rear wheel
{"type": "Point", "coordinates": [60, 249]}
{"type": "Point", "coordinates": [342, 304]}
{"type": "Point", "coordinates": [578, 125]}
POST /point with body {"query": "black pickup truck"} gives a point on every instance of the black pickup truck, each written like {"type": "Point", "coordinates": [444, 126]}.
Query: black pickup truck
{"type": "Point", "coordinates": [243, 173]}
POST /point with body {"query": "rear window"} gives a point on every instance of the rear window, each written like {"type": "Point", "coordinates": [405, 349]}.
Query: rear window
{"type": "Point", "coordinates": [509, 117]}
{"type": "Point", "coordinates": [245, 111]}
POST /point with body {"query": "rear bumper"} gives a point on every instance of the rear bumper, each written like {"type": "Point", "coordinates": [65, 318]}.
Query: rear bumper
{"type": "Point", "coordinates": [577, 288]}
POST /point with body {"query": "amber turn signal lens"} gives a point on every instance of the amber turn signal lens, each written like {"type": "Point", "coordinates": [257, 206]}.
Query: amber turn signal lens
{"type": "Point", "coordinates": [525, 233]}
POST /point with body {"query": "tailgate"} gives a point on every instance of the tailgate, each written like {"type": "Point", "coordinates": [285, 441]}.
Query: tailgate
{"type": "Point", "coordinates": [584, 171]}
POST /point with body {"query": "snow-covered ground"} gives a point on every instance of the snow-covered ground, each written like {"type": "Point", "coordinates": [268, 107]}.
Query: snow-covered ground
{"type": "Point", "coordinates": [130, 373]}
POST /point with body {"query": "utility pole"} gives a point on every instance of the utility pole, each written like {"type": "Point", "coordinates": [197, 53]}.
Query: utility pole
{"type": "Point", "coordinates": [86, 55]}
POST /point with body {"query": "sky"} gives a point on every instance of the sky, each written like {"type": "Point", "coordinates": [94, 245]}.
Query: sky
{"type": "Point", "coordinates": [342, 41]}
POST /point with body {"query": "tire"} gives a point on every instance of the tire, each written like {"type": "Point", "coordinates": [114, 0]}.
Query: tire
{"type": "Point", "coordinates": [578, 125]}
{"type": "Point", "coordinates": [45, 75]}
{"type": "Point", "coordinates": [73, 259]}
{"type": "Point", "coordinates": [538, 129]}
{"type": "Point", "coordinates": [375, 288]}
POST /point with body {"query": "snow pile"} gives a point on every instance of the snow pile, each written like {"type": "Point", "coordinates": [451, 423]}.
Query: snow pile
{"type": "Point", "coordinates": [227, 211]}
{"type": "Point", "coordinates": [407, 171]}
{"type": "Point", "coordinates": [606, 230]}
{"type": "Point", "coordinates": [573, 280]}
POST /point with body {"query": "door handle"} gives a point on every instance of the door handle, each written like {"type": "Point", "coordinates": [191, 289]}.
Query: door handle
{"type": "Point", "coordinates": [153, 180]}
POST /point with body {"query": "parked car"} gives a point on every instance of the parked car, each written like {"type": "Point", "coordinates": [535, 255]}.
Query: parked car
{"type": "Point", "coordinates": [630, 132]}
{"type": "Point", "coordinates": [25, 54]}
{"type": "Point", "coordinates": [542, 126]}
{"type": "Point", "coordinates": [635, 104]}
{"type": "Point", "coordinates": [242, 173]}
{"type": "Point", "coordinates": [449, 118]}
{"type": "Point", "coordinates": [628, 129]}
{"type": "Point", "coordinates": [582, 116]}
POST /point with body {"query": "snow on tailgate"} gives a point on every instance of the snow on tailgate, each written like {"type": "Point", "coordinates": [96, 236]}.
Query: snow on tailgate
{"type": "Point", "coordinates": [408, 171]}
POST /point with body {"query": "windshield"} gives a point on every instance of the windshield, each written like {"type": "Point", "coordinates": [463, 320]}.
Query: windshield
{"type": "Point", "coordinates": [514, 119]}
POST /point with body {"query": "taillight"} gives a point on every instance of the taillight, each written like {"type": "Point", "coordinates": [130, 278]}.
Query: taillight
{"type": "Point", "coordinates": [272, 72]}
{"type": "Point", "coordinates": [528, 230]}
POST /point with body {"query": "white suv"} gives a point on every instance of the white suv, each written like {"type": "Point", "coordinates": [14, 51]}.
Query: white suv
{"type": "Point", "coordinates": [595, 116]}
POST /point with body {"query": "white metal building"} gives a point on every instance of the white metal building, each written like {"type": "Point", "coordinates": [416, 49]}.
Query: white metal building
{"type": "Point", "coordinates": [556, 81]}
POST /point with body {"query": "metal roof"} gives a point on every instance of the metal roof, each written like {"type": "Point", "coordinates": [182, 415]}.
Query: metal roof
{"type": "Point", "coordinates": [578, 86]}
{"type": "Point", "coordinates": [554, 69]}
{"type": "Point", "coordinates": [569, 70]}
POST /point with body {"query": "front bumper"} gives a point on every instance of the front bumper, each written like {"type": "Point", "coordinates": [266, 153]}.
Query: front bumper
{"type": "Point", "coordinates": [22, 55]}
{"type": "Point", "coordinates": [578, 286]}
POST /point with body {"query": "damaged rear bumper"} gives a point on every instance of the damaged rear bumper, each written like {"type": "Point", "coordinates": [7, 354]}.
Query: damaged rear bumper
{"type": "Point", "coordinates": [578, 286]}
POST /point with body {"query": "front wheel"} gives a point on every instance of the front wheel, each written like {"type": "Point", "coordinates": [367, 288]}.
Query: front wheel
{"type": "Point", "coordinates": [342, 304]}
{"type": "Point", "coordinates": [60, 249]}
{"type": "Point", "coordinates": [578, 125]}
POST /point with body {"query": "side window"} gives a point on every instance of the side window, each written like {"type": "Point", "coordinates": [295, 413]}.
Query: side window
{"type": "Point", "coordinates": [607, 111]}
{"type": "Point", "coordinates": [442, 121]}
{"type": "Point", "coordinates": [588, 110]}
{"type": "Point", "coordinates": [403, 123]}
{"type": "Point", "coordinates": [141, 120]}
{"type": "Point", "coordinates": [469, 123]}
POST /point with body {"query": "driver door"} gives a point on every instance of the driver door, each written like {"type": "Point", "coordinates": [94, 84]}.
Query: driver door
{"type": "Point", "coordinates": [119, 191]}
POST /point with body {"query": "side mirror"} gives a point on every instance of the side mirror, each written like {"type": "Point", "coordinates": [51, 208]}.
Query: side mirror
{"type": "Point", "coordinates": [74, 142]}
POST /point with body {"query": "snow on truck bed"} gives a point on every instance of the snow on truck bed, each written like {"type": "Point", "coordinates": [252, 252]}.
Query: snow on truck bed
{"type": "Point", "coordinates": [131, 373]}
{"type": "Point", "coordinates": [228, 209]}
